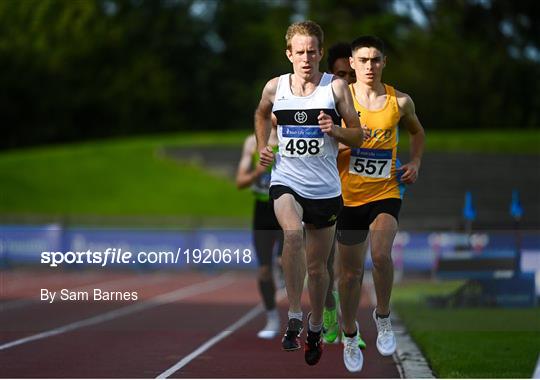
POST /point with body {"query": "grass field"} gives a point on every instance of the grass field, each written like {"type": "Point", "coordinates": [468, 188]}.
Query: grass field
{"type": "Point", "coordinates": [129, 177]}
{"type": "Point", "coordinates": [118, 177]}
{"type": "Point", "coordinates": [469, 343]}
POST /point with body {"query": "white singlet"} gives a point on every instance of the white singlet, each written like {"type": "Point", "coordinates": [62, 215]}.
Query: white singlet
{"type": "Point", "coordinates": [306, 161]}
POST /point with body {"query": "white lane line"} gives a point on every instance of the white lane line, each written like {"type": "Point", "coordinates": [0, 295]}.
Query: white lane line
{"type": "Point", "coordinates": [536, 373]}
{"type": "Point", "coordinates": [15, 304]}
{"type": "Point", "coordinates": [228, 331]}
{"type": "Point", "coordinates": [170, 297]}
{"type": "Point", "coordinates": [26, 280]}
{"type": "Point", "coordinates": [222, 335]}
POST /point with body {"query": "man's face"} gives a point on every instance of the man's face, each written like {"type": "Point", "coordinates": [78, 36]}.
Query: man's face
{"type": "Point", "coordinates": [368, 63]}
{"type": "Point", "coordinates": [342, 68]}
{"type": "Point", "coordinates": [305, 55]}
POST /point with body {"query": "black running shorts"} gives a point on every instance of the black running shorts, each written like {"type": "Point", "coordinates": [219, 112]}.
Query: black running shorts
{"type": "Point", "coordinates": [353, 222]}
{"type": "Point", "coordinates": [264, 217]}
{"type": "Point", "coordinates": [319, 212]}
{"type": "Point", "coordinates": [267, 234]}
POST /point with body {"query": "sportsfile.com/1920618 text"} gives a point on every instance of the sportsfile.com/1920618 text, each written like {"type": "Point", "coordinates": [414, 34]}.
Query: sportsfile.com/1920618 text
{"type": "Point", "coordinates": [119, 256]}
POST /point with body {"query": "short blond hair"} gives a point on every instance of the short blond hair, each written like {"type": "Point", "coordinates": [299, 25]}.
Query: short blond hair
{"type": "Point", "coordinates": [305, 28]}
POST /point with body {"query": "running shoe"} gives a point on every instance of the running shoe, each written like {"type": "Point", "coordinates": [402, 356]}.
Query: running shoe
{"type": "Point", "coordinates": [290, 341]}
{"type": "Point", "coordinates": [352, 354]}
{"type": "Point", "coordinates": [386, 340]}
{"type": "Point", "coordinates": [314, 346]}
{"type": "Point", "coordinates": [330, 323]}
{"type": "Point", "coordinates": [271, 330]}
{"type": "Point", "coordinates": [361, 344]}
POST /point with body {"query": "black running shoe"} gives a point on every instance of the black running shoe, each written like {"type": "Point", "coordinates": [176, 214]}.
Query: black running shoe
{"type": "Point", "coordinates": [313, 347]}
{"type": "Point", "coordinates": [290, 341]}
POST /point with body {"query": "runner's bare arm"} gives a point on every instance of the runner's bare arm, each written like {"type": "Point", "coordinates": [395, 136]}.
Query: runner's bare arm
{"type": "Point", "coordinates": [353, 134]}
{"type": "Point", "coordinates": [263, 122]}
{"type": "Point", "coordinates": [245, 176]}
{"type": "Point", "coordinates": [410, 121]}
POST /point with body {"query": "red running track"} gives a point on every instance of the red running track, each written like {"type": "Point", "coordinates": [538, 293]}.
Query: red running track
{"type": "Point", "coordinates": [176, 314]}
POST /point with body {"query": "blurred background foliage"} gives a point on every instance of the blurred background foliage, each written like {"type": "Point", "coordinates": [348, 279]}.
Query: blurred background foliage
{"type": "Point", "coordinates": [76, 70]}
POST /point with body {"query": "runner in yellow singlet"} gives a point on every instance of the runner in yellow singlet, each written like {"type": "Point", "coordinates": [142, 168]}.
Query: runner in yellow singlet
{"type": "Point", "coordinates": [338, 64]}
{"type": "Point", "coordinates": [373, 182]}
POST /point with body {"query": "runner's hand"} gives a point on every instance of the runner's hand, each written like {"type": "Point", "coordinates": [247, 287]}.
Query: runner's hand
{"type": "Point", "coordinates": [410, 172]}
{"type": "Point", "coordinates": [367, 132]}
{"type": "Point", "coordinates": [266, 156]}
{"type": "Point", "coordinates": [326, 123]}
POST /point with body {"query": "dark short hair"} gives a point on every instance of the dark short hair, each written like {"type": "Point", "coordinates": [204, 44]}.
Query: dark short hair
{"type": "Point", "coordinates": [368, 41]}
{"type": "Point", "coordinates": [337, 51]}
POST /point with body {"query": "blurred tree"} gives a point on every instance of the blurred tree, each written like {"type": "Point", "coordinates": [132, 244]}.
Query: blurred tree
{"type": "Point", "coordinates": [85, 69]}
{"type": "Point", "coordinates": [74, 70]}
{"type": "Point", "coordinates": [466, 65]}
{"type": "Point", "coordinates": [355, 18]}
{"type": "Point", "coordinates": [461, 64]}
{"type": "Point", "coordinates": [251, 53]}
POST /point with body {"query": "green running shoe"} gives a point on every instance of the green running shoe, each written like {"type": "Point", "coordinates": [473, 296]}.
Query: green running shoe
{"type": "Point", "coordinates": [361, 343]}
{"type": "Point", "coordinates": [330, 325]}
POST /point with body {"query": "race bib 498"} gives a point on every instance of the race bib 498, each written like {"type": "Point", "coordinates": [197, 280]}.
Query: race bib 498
{"type": "Point", "coordinates": [372, 163]}
{"type": "Point", "coordinates": [301, 141]}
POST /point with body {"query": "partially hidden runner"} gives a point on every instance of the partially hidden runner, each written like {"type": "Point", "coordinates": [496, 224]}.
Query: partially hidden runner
{"type": "Point", "coordinates": [266, 233]}
{"type": "Point", "coordinates": [339, 65]}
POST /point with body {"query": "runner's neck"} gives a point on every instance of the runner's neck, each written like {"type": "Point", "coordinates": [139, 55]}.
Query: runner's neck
{"type": "Point", "coordinates": [304, 86]}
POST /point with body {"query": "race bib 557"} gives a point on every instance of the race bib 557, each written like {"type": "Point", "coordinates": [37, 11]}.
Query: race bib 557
{"type": "Point", "coordinates": [373, 163]}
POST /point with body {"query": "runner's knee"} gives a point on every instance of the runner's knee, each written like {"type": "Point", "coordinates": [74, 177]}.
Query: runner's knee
{"type": "Point", "coordinates": [317, 270]}
{"type": "Point", "coordinates": [350, 276]}
{"type": "Point", "coordinates": [294, 238]}
{"type": "Point", "coordinates": [381, 260]}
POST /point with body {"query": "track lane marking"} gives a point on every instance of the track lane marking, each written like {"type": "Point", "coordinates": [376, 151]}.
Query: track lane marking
{"type": "Point", "coordinates": [536, 373]}
{"type": "Point", "coordinates": [254, 312]}
{"type": "Point", "coordinates": [15, 304]}
{"type": "Point", "coordinates": [175, 295]}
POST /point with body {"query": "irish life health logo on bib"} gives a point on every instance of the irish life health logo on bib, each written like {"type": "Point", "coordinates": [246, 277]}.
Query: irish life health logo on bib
{"type": "Point", "coordinates": [300, 117]}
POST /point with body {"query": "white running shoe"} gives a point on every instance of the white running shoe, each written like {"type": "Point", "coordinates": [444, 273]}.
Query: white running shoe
{"type": "Point", "coordinates": [386, 340]}
{"type": "Point", "coordinates": [272, 328]}
{"type": "Point", "coordinates": [352, 354]}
